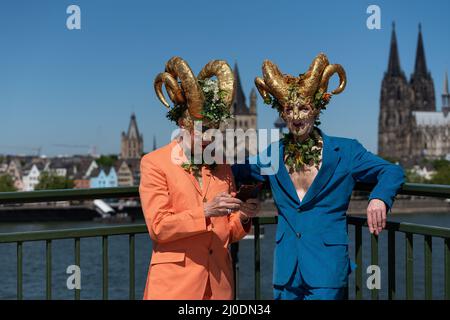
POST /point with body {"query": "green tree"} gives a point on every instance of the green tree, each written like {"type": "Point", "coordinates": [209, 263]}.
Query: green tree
{"type": "Point", "coordinates": [6, 183]}
{"type": "Point", "coordinates": [49, 181]}
{"type": "Point", "coordinates": [413, 177]}
{"type": "Point", "coordinates": [106, 160]}
{"type": "Point", "coordinates": [442, 175]}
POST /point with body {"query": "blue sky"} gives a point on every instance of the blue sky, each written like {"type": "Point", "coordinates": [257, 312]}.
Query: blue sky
{"type": "Point", "coordinates": [79, 87]}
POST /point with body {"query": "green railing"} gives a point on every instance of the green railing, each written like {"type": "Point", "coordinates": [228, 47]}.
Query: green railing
{"type": "Point", "coordinates": [408, 229]}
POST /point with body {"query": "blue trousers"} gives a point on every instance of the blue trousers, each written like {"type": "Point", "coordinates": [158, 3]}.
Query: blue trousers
{"type": "Point", "coordinates": [297, 289]}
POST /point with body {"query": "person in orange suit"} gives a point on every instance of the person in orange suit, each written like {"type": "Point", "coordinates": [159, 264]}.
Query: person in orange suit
{"type": "Point", "coordinates": [190, 208]}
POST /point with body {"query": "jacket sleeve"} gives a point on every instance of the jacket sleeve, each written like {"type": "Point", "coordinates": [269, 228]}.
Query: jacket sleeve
{"type": "Point", "coordinates": [247, 173]}
{"type": "Point", "coordinates": [237, 229]}
{"type": "Point", "coordinates": [164, 224]}
{"type": "Point", "coordinates": [369, 168]}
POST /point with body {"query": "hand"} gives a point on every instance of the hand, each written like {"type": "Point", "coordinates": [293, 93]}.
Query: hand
{"type": "Point", "coordinates": [222, 205]}
{"type": "Point", "coordinates": [250, 209]}
{"type": "Point", "coordinates": [376, 216]}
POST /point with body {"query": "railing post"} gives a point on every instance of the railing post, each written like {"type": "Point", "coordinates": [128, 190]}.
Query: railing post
{"type": "Point", "coordinates": [132, 265]}
{"type": "Point", "coordinates": [77, 263]}
{"type": "Point", "coordinates": [49, 269]}
{"type": "Point", "coordinates": [105, 267]}
{"type": "Point", "coordinates": [256, 229]}
{"type": "Point", "coordinates": [234, 251]}
{"type": "Point", "coordinates": [391, 265]}
{"type": "Point", "coordinates": [374, 260]}
{"type": "Point", "coordinates": [428, 247]}
{"type": "Point", "coordinates": [447, 267]}
{"type": "Point", "coordinates": [409, 266]}
{"type": "Point", "coordinates": [19, 271]}
{"type": "Point", "coordinates": [358, 258]}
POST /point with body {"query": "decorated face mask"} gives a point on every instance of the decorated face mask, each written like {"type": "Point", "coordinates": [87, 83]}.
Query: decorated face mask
{"type": "Point", "coordinates": [300, 99]}
{"type": "Point", "coordinates": [196, 98]}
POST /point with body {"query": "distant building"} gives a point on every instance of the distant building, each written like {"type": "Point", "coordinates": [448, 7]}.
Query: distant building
{"type": "Point", "coordinates": [104, 178]}
{"type": "Point", "coordinates": [84, 170]}
{"type": "Point", "coordinates": [409, 126]}
{"type": "Point", "coordinates": [31, 174]}
{"type": "Point", "coordinates": [244, 116]}
{"type": "Point", "coordinates": [128, 172]}
{"type": "Point", "coordinates": [132, 143]}
{"type": "Point", "coordinates": [14, 170]}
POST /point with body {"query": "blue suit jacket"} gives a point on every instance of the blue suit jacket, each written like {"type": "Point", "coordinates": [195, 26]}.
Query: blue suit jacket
{"type": "Point", "coordinates": [314, 231]}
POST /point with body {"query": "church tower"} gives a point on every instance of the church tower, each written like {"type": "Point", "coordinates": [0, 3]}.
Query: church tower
{"type": "Point", "coordinates": [394, 119]}
{"type": "Point", "coordinates": [244, 116]}
{"type": "Point", "coordinates": [132, 145]}
{"type": "Point", "coordinates": [445, 96]}
{"type": "Point", "coordinates": [421, 81]}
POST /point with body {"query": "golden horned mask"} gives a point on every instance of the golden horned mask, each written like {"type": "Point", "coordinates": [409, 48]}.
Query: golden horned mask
{"type": "Point", "coordinates": [288, 89]}
{"type": "Point", "coordinates": [183, 87]}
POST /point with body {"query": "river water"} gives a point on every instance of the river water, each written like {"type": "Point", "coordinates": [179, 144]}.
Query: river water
{"type": "Point", "coordinates": [34, 268]}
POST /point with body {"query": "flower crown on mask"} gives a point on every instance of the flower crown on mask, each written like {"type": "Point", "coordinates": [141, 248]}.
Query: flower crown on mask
{"type": "Point", "coordinates": [196, 98]}
{"type": "Point", "coordinates": [310, 88]}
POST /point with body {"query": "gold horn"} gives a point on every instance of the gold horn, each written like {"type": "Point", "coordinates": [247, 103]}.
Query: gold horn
{"type": "Point", "coordinates": [275, 81]}
{"type": "Point", "coordinates": [262, 89]}
{"type": "Point", "coordinates": [225, 78]}
{"type": "Point", "coordinates": [178, 68]}
{"type": "Point", "coordinates": [328, 73]}
{"type": "Point", "coordinates": [172, 88]}
{"type": "Point", "coordinates": [309, 82]}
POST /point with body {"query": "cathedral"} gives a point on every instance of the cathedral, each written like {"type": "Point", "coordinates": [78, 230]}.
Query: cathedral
{"type": "Point", "coordinates": [244, 116]}
{"type": "Point", "coordinates": [132, 142]}
{"type": "Point", "coordinates": [410, 128]}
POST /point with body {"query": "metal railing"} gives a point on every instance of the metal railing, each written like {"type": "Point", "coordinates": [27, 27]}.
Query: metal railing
{"type": "Point", "coordinates": [408, 229]}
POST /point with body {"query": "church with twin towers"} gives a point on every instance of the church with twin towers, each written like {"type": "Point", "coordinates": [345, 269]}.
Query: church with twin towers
{"type": "Point", "coordinates": [410, 127]}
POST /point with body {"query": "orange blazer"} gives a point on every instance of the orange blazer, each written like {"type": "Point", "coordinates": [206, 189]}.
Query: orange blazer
{"type": "Point", "coordinates": [187, 247]}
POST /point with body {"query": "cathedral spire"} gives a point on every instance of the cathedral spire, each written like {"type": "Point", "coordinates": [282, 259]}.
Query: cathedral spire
{"type": "Point", "coordinates": [445, 96]}
{"type": "Point", "coordinates": [239, 103]}
{"type": "Point", "coordinates": [253, 101]}
{"type": "Point", "coordinates": [446, 83]}
{"type": "Point", "coordinates": [132, 141]}
{"type": "Point", "coordinates": [154, 143]}
{"type": "Point", "coordinates": [420, 67]}
{"type": "Point", "coordinates": [421, 81]}
{"type": "Point", "coordinates": [394, 68]}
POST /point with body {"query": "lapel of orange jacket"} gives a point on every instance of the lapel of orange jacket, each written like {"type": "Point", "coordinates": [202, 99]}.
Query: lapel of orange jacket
{"type": "Point", "coordinates": [178, 158]}
{"type": "Point", "coordinates": [206, 177]}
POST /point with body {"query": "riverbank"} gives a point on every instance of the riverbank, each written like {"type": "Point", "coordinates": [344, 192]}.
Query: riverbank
{"type": "Point", "coordinates": [86, 212]}
{"type": "Point", "coordinates": [401, 206]}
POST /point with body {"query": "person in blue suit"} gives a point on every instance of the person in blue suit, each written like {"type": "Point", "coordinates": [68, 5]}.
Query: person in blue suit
{"type": "Point", "coordinates": [312, 182]}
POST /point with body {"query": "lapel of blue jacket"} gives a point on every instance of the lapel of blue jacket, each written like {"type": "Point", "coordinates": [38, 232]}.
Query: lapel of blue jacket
{"type": "Point", "coordinates": [284, 180]}
{"type": "Point", "coordinates": [330, 160]}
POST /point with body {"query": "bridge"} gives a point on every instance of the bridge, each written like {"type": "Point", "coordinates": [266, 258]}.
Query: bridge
{"type": "Point", "coordinates": [410, 231]}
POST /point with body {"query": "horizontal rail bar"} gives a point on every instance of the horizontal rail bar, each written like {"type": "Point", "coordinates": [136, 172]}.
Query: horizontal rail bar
{"type": "Point", "coordinates": [68, 194]}
{"type": "Point", "coordinates": [414, 189]}
{"type": "Point", "coordinates": [406, 227]}
{"type": "Point", "coordinates": [72, 233]}
{"type": "Point", "coordinates": [141, 228]}
{"type": "Point", "coordinates": [418, 189]}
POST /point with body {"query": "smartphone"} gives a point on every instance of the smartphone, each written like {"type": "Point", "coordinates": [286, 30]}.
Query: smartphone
{"type": "Point", "coordinates": [249, 191]}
